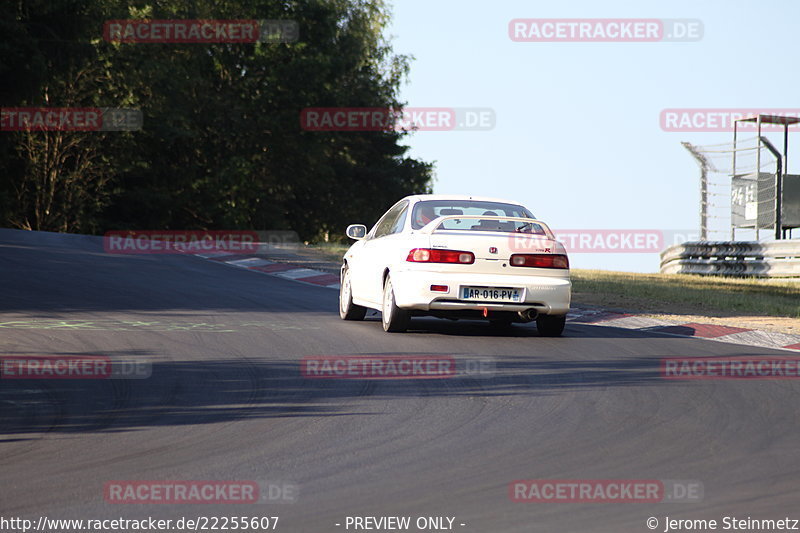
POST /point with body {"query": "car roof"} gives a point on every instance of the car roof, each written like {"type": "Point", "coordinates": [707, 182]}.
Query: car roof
{"type": "Point", "coordinates": [423, 197]}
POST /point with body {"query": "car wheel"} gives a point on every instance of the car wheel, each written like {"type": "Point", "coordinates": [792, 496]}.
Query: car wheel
{"type": "Point", "coordinates": [551, 325]}
{"type": "Point", "coordinates": [347, 309]}
{"type": "Point", "coordinates": [394, 319]}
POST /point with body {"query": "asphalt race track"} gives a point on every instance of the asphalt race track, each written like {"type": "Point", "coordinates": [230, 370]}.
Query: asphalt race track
{"type": "Point", "coordinates": [226, 401]}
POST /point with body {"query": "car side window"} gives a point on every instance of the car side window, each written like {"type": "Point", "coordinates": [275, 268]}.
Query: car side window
{"type": "Point", "coordinates": [400, 221]}
{"type": "Point", "coordinates": [387, 224]}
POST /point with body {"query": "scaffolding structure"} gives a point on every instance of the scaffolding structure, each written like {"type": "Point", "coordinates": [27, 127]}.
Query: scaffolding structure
{"type": "Point", "coordinates": [746, 184]}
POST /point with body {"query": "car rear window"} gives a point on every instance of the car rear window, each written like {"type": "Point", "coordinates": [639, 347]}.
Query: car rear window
{"type": "Point", "coordinates": [426, 211]}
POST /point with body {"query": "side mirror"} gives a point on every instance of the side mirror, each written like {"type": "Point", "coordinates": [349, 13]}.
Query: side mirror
{"type": "Point", "coordinates": [356, 231]}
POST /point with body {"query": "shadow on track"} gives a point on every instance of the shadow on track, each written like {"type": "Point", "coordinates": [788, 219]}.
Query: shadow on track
{"type": "Point", "coordinates": [205, 392]}
{"type": "Point", "coordinates": [481, 328]}
{"type": "Point", "coordinates": [50, 273]}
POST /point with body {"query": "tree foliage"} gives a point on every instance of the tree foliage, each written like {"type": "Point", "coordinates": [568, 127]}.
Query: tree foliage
{"type": "Point", "coordinates": [221, 146]}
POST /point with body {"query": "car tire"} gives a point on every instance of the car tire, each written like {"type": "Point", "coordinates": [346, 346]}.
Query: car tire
{"type": "Point", "coordinates": [347, 309]}
{"type": "Point", "coordinates": [551, 325]}
{"type": "Point", "coordinates": [395, 320]}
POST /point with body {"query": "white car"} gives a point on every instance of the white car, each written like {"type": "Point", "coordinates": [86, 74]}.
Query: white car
{"type": "Point", "coordinates": [456, 257]}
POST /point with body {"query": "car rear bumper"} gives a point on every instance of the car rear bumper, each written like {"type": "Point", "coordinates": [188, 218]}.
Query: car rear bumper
{"type": "Point", "coordinates": [548, 295]}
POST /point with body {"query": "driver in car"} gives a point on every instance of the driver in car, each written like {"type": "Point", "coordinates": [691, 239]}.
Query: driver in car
{"type": "Point", "coordinates": [425, 214]}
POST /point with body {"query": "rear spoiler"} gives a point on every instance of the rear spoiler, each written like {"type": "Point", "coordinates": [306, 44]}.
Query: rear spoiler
{"type": "Point", "coordinates": [434, 224]}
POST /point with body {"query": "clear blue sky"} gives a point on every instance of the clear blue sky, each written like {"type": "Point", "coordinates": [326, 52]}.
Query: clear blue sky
{"type": "Point", "coordinates": [578, 138]}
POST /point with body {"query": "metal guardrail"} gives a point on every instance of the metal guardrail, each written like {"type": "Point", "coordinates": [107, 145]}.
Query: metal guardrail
{"type": "Point", "coordinates": [778, 259]}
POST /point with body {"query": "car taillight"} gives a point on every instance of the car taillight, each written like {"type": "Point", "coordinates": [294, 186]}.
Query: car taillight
{"type": "Point", "coordinates": [540, 260]}
{"type": "Point", "coordinates": [427, 255]}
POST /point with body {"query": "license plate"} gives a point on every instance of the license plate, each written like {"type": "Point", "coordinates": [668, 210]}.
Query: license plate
{"type": "Point", "coordinates": [491, 294]}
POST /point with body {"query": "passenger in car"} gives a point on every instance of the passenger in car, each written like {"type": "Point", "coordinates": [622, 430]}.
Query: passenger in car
{"type": "Point", "coordinates": [488, 225]}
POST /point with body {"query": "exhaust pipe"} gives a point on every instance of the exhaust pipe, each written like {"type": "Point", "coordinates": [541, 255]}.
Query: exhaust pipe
{"type": "Point", "coordinates": [529, 315]}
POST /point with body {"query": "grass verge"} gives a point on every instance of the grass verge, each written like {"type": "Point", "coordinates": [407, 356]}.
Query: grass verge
{"type": "Point", "coordinates": [686, 294]}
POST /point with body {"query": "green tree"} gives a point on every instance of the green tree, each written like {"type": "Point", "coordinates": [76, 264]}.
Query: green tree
{"type": "Point", "coordinates": [221, 145]}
